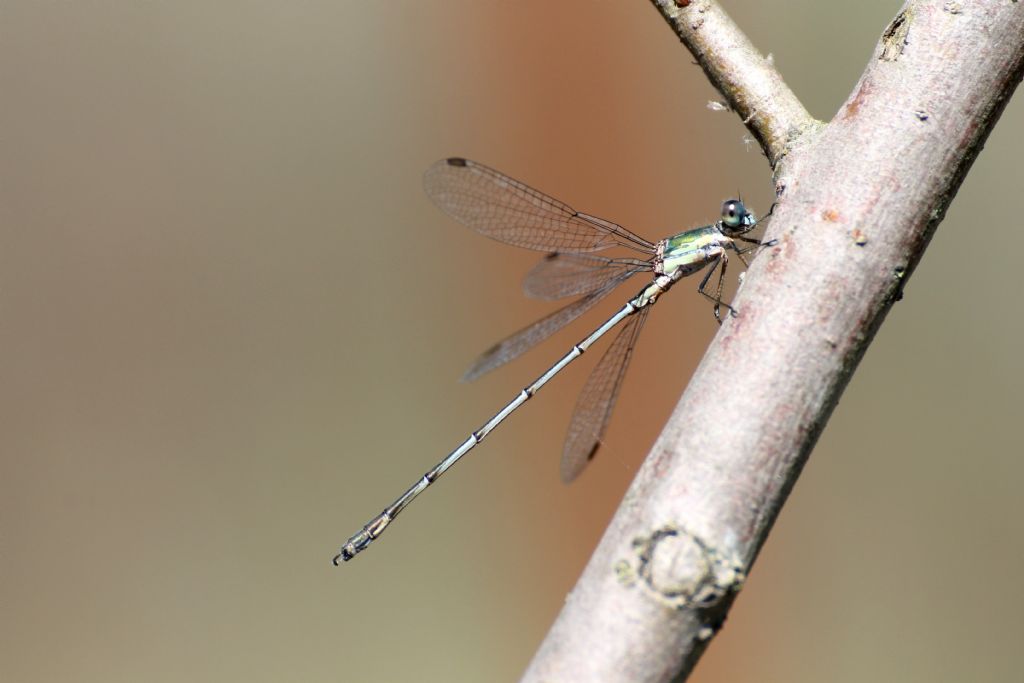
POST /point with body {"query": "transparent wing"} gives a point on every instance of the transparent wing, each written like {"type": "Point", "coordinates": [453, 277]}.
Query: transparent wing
{"type": "Point", "coordinates": [560, 275]}
{"type": "Point", "coordinates": [597, 400]}
{"type": "Point", "coordinates": [509, 211]}
{"type": "Point", "coordinates": [522, 341]}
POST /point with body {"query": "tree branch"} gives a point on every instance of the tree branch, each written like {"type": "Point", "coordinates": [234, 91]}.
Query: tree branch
{"type": "Point", "coordinates": [751, 85]}
{"type": "Point", "coordinates": [859, 201]}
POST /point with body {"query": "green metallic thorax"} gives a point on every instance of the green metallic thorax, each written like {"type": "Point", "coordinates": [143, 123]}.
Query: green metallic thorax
{"type": "Point", "coordinates": [681, 255]}
{"type": "Point", "coordinates": [692, 250]}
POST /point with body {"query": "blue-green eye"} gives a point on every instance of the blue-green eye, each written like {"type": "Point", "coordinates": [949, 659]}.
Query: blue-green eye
{"type": "Point", "coordinates": [733, 213]}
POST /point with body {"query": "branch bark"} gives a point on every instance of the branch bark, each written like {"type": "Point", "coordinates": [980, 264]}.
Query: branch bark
{"type": "Point", "coordinates": [751, 85]}
{"type": "Point", "coordinates": [859, 199]}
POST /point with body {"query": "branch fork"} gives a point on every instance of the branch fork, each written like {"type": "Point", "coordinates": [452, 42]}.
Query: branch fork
{"type": "Point", "coordinates": [858, 201]}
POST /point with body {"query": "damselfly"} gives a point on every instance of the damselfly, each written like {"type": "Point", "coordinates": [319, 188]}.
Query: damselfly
{"type": "Point", "coordinates": [509, 211]}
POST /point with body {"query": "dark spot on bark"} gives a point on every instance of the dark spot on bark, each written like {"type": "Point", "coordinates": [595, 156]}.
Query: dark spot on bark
{"type": "Point", "coordinates": [894, 39]}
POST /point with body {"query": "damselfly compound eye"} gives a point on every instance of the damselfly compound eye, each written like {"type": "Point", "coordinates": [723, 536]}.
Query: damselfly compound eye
{"type": "Point", "coordinates": [733, 212]}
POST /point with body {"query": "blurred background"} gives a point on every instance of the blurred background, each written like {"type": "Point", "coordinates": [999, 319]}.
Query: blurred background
{"type": "Point", "coordinates": [232, 327]}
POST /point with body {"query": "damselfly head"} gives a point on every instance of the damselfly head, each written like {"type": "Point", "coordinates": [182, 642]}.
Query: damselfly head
{"type": "Point", "coordinates": [736, 220]}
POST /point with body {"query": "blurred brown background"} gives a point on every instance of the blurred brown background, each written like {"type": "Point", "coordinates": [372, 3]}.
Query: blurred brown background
{"type": "Point", "coordinates": [232, 324]}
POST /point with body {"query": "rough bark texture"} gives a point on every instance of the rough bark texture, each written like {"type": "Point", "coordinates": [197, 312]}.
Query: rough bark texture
{"type": "Point", "coordinates": [859, 200]}
{"type": "Point", "coordinates": [747, 79]}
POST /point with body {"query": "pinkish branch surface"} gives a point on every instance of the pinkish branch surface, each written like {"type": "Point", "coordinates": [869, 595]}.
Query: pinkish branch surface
{"type": "Point", "coordinates": [859, 201]}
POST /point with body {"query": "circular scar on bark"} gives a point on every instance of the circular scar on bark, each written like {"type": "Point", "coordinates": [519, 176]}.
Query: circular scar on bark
{"type": "Point", "coordinates": [680, 569]}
